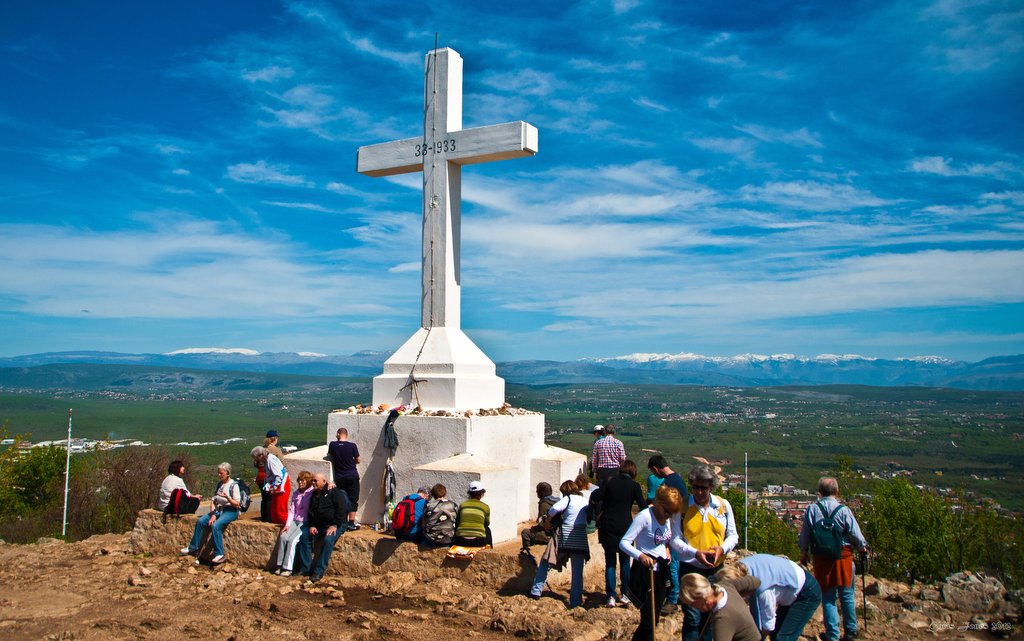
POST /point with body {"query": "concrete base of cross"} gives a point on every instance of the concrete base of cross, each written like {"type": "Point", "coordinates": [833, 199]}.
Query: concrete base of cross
{"type": "Point", "coordinates": [507, 453]}
{"type": "Point", "coordinates": [439, 368]}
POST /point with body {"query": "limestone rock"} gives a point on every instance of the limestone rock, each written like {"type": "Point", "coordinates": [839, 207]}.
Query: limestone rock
{"type": "Point", "coordinates": [974, 592]}
{"type": "Point", "coordinates": [915, 620]}
{"type": "Point", "coordinates": [392, 583]}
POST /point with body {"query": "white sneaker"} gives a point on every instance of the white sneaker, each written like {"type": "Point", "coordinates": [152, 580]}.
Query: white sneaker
{"type": "Point", "coordinates": [623, 600]}
{"type": "Point", "coordinates": [185, 552]}
{"type": "Point", "coordinates": [611, 602]}
{"type": "Point", "coordinates": [286, 573]}
{"type": "Point", "coordinates": [217, 559]}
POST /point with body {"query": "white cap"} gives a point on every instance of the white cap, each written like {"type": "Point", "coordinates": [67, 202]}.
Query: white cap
{"type": "Point", "coordinates": [598, 428]}
{"type": "Point", "coordinates": [476, 486]}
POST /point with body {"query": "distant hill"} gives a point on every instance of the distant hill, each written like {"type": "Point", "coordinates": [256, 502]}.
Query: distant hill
{"type": "Point", "coordinates": [92, 377]}
{"type": "Point", "coordinates": [1002, 373]}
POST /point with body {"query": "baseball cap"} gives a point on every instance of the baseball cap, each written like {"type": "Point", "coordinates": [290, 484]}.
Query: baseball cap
{"type": "Point", "coordinates": [476, 486]}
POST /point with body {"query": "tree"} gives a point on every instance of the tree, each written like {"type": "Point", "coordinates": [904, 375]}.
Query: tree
{"type": "Point", "coordinates": [767, 532]}
{"type": "Point", "coordinates": [908, 530]}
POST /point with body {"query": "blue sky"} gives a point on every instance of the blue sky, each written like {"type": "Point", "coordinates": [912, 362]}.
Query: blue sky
{"type": "Point", "coordinates": [716, 178]}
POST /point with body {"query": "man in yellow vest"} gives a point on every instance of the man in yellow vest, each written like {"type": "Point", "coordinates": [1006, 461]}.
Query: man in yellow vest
{"type": "Point", "coordinates": [709, 532]}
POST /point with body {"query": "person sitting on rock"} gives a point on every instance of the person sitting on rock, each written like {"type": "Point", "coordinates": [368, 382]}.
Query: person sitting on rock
{"type": "Point", "coordinates": [223, 510]}
{"type": "Point", "coordinates": [408, 514]}
{"type": "Point", "coordinates": [537, 534]}
{"type": "Point", "coordinates": [328, 507]}
{"type": "Point", "coordinates": [473, 522]}
{"type": "Point", "coordinates": [439, 516]}
{"type": "Point", "coordinates": [173, 481]}
{"type": "Point", "coordinates": [295, 526]}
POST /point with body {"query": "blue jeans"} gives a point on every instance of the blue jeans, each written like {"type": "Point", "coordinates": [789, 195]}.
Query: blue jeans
{"type": "Point", "coordinates": [575, 592]}
{"type": "Point", "coordinates": [693, 619]}
{"type": "Point", "coordinates": [306, 551]}
{"type": "Point", "coordinates": [216, 531]}
{"type": "Point", "coordinates": [791, 619]}
{"type": "Point", "coordinates": [831, 614]}
{"type": "Point", "coordinates": [613, 554]}
{"type": "Point", "coordinates": [673, 575]}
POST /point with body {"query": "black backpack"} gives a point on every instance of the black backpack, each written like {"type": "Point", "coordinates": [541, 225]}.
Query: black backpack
{"type": "Point", "coordinates": [827, 534]}
{"type": "Point", "coordinates": [244, 495]}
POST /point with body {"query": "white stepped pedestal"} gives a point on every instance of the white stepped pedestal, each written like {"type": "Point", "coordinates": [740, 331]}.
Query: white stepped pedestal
{"type": "Point", "coordinates": [506, 452]}
{"type": "Point", "coordinates": [439, 368]}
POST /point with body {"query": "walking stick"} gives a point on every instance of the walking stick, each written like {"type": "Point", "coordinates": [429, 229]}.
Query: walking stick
{"type": "Point", "coordinates": [864, 585]}
{"type": "Point", "coordinates": [650, 599]}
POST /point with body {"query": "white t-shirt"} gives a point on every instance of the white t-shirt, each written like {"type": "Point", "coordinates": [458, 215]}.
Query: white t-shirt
{"type": "Point", "coordinates": [171, 483]}
{"type": "Point", "coordinates": [646, 536]}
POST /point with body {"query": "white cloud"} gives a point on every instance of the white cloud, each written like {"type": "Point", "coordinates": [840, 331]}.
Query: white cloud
{"type": "Point", "coordinates": [271, 73]}
{"type": "Point", "coordinates": [624, 6]}
{"type": "Point", "coordinates": [931, 165]}
{"type": "Point", "coordinates": [649, 104]}
{"type": "Point", "coordinates": [740, 147]}
{"type": "Point", "coordinates": [1015, 198]}
{"type": "Point", "coordinates": [170, 150]}
{"type": "Point", "coordinates": [946, 167]}
{"type": "Point", "coordinates": [262, 173]}
{"type": "Point", "coordinates": [307, 206]}
{"type": "Point", "coordinates": [529, 82]}
{"type": "Point", "coordinates": [880, 282]}
{"type": "Point", "coordinates": [173, 268]}
{"type": "Point", "coordinates": [799, 138]}
{"type": "Point", "coordinates": [812, 196]}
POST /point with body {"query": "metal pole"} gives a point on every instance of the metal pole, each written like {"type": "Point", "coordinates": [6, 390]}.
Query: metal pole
{"type": "Point", "coordinates": [746, 499]}
{"type": "Point", "coordinates": [67, 478]}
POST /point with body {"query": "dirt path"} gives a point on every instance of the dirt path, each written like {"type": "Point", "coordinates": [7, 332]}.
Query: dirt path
{"type": "Point", "coordinates": [98, 590]}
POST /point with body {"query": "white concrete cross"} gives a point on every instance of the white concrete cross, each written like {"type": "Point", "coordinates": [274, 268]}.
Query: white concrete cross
{"type": "Point", "coordinates": [440, 154]}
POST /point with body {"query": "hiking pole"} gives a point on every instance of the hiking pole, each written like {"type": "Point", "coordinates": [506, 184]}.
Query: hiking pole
{"type": "Point", "coordinates": [864, 584]}
{"type": "Point", "coordinates": [651, 599]}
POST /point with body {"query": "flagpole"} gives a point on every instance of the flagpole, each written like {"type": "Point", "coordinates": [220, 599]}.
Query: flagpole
{"type": "Point", "coordinates": [67, 478]}
{"type": "Point", "coordinates": [746, 498]}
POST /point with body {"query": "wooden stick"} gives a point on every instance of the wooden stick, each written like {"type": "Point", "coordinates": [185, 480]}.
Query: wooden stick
{"type": "Point", "coordinates": [650, 599]}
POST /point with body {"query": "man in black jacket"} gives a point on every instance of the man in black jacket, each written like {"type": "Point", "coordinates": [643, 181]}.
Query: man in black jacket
{"type": "Point", "coordinates": [328, 508]}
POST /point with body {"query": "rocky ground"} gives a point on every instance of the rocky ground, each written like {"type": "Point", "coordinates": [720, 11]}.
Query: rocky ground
{"type": "Point", "coordinates": [98, 590]}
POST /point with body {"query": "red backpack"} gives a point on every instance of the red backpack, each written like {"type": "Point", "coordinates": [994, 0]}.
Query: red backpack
{"type": "Point", "coordinates": [403, 519]}
{"type": "Point", "coordinates": [181, 502]}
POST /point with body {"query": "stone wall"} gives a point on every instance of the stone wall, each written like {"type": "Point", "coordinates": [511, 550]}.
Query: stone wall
{"type": "Point", "coordinates": [364, 553]}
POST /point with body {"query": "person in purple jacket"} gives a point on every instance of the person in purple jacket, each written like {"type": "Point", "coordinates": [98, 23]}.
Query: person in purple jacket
{"type": "Point", "coordinates": [294, 527]}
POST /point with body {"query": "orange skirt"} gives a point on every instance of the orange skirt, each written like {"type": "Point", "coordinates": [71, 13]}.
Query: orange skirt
{"type": "Point", "coordinates": [834, 573]}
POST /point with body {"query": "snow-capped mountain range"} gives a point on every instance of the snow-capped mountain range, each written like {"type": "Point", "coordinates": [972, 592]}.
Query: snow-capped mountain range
{"type": "Point", "coordinates": [998, 373]}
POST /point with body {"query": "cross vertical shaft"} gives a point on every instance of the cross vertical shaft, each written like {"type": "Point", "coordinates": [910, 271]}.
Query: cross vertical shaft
{"type": "Point", "coordinates": [442, 191]}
